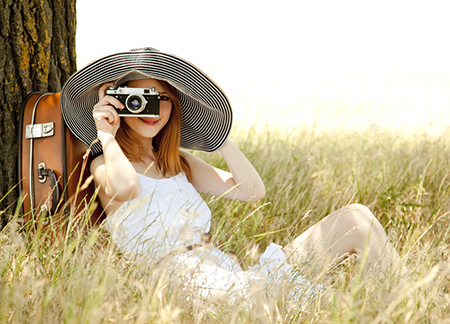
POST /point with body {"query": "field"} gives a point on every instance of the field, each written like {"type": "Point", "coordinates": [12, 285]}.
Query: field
{"type": "Point", "coordinates": [404, 179]}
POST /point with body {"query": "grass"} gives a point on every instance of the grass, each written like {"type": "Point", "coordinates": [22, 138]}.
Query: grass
{"type": "Point", "coordinates": [403, 178]}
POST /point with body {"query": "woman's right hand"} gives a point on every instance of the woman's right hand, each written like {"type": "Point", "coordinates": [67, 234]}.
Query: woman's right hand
{"type": "Point", "coordinates": [105, 116]}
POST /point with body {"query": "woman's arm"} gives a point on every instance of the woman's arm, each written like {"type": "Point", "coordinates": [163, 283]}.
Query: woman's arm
{"type": "Point", "coordinates": [113, 173]}
{"type": "Point", "coordinates": [243, 183]}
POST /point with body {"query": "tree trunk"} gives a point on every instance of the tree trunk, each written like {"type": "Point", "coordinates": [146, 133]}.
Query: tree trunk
{"type": "Point", "coordinates": [37, 53]}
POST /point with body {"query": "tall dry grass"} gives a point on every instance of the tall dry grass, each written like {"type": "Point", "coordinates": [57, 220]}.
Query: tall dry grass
{"type": "Point", "coordinates": [403, 178]}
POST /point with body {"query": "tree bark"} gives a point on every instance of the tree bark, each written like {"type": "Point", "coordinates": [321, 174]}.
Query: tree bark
{"type": "Point", "coordinates": [37, 53]}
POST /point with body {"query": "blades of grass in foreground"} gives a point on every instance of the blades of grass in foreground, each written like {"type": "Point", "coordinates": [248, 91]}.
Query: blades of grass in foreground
{"type": "Point", "coordinates": [403, 178]}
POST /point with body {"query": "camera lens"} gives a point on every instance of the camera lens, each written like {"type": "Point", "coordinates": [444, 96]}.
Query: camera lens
{"type": "Point", "coordinates": [135, 103]}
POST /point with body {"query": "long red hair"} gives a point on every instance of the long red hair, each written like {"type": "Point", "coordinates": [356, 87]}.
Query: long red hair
{"type": "Point", "coordinates": [166, 144]}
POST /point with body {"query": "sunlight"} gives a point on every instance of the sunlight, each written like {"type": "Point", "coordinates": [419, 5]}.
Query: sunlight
{"type": "Point", "coordinates": [322, 63]}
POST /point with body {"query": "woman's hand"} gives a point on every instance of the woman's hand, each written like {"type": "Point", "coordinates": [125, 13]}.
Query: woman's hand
{"type": "Point", "coordinates": [105, 116]}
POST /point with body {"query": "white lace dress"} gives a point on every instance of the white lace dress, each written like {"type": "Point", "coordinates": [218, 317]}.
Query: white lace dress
{"type": "Point", "coordinates": [169, 214]}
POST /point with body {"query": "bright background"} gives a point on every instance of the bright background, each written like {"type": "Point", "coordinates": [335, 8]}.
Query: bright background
{"type": "Point", "coordinates": [322, 63]}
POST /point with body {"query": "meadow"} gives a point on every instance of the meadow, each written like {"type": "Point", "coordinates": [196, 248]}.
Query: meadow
{"type": "Point", "coordinates": [402, 177]}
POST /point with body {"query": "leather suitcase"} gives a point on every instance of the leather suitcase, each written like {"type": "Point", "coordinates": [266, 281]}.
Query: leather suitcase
{"type": "Point", "coordinates": [53, 175]}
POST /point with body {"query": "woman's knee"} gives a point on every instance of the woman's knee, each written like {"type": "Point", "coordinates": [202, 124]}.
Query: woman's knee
{"type": "Point", "coordinates": [358, 208]}
{"type": "Point", "coordinates": [360, 216]}
{"type": "Point", "coordinates": [360, 213]}
{"type": "Point", "coordinates": [357, 216]}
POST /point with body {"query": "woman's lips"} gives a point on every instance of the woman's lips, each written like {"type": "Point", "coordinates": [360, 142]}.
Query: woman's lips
{"type": "Point", "coordinates": [149, 121]}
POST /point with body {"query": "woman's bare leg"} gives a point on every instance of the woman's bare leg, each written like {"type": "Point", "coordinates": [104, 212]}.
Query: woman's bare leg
{"type": "Point", "coordinates": [349, 230]}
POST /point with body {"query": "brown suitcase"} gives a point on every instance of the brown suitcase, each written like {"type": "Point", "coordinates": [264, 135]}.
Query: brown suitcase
{"type": "Point", "coordinates": [52, 169]}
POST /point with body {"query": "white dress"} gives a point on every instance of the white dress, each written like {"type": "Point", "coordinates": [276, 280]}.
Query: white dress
{"type": "Point", "coordinates": [169, 214]}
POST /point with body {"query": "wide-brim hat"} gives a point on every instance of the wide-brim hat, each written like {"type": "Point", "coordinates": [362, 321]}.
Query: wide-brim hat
{"type": "Point", "coordinates": [205, 109]}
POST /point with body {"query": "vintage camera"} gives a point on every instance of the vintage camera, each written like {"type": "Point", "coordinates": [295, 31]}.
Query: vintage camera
{"type": "Point", "coordinates": [138, 102]}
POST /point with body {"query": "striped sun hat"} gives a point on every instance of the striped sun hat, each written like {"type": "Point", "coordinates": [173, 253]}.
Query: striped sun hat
{"type": "Point", "coordinates": [206, 112]}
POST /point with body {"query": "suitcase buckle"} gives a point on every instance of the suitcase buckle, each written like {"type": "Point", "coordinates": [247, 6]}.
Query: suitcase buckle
{"type": "Point", "coordinates": [40, 130]}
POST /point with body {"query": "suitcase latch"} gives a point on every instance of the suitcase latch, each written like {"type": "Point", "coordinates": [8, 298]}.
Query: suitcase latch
{"type": "Point", "coordinates": [40, 130]}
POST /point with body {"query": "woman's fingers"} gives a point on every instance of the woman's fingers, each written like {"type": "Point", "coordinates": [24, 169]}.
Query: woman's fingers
{"type": "Point", "coordinates": [106, 120]}
{"type": "Point", "coordinates": [106, 117]}
{"type": "Point", "coordinates": [102, 90]}
{"type": "Point", "coordinates": [108, 100]}
{"type": "Point", "coordinates": [105, 114]}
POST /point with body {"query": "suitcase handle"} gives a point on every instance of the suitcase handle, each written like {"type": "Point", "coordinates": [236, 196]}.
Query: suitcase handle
{"type": "Point", "coordinates": [54, 183]}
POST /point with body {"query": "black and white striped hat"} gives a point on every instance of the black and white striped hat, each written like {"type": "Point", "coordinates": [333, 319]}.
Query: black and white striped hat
{"type": "Point", "coordinates": [206, 112]}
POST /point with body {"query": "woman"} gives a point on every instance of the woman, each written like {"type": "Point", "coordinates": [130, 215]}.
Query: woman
{"type": "Point", "coordinates": [148, 186]}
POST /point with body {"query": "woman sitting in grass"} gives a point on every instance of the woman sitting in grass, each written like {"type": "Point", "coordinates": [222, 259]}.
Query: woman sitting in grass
{"type": "Point", "coordinates": [148, 187]}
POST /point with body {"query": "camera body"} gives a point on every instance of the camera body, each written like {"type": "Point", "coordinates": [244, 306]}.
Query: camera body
{"type": "Point", "coordinates": [138, 102]}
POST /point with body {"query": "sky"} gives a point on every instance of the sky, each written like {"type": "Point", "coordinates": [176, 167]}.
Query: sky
{"type": "Point", "coordinates": [288, 63]}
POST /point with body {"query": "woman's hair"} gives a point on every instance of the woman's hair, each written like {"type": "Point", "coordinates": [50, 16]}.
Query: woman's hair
{"type": "Point", "coordinates": [166, 144]}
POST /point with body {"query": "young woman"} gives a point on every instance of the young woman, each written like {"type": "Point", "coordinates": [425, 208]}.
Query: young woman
{"type": "Point", "coordinates": [148, 187]}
